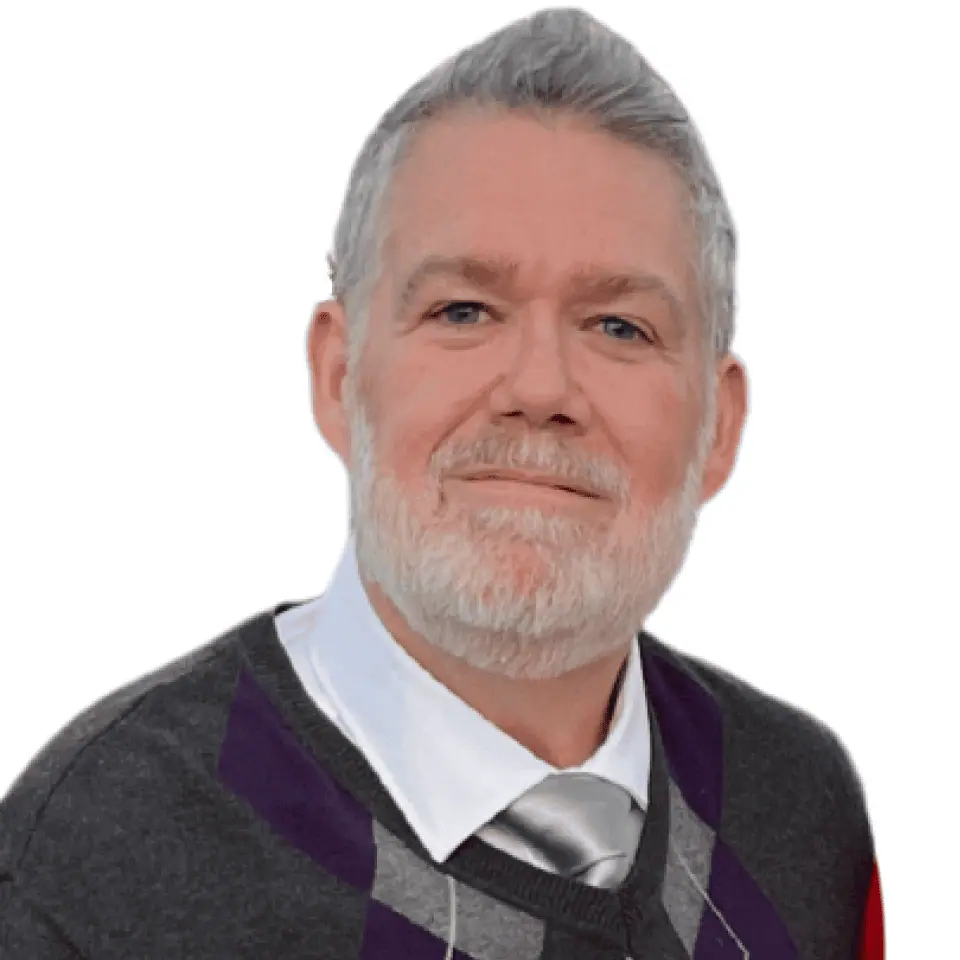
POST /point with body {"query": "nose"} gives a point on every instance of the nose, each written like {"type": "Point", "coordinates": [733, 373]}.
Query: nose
{"type": "Point", "coordinates": [538, 384]}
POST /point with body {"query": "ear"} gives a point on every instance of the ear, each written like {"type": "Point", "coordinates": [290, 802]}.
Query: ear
{"type": "Point", "coordinates": [327, 355]}
{"type": "Point", "coordinates": [731, 414]}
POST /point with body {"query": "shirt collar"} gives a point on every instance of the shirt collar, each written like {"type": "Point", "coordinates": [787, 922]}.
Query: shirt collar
{"type": "Point", "coordinates": [449, 785]}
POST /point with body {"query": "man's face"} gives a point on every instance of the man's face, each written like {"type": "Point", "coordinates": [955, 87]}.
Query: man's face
{"type": "Point", "coordinates": [495, 356]}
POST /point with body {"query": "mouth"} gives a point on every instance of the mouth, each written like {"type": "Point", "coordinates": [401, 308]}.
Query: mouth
{"type": "Point", "coordinates": [551, 483]}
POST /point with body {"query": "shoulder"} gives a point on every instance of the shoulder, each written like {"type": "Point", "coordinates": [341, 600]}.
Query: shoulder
{"type": "Point", "coordinates": [115, 752]}
{"type": "Point", "coordinates": [123, 829]}
{"type": "Point", "coordinates": [790, 807]}
{"type": "Point", "coordinates": [764, 736]}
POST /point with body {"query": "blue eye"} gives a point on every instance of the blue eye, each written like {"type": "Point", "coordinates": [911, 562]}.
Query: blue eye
{"type": "Point", "coordinates": [457, 311]}
{"type": "Point", "coordinates": [624, 327]}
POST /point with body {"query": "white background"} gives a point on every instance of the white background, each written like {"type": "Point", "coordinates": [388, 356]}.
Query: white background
{"type": "Point", "coordinates": [171, 173]}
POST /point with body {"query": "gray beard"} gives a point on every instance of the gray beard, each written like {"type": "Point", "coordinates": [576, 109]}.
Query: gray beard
{"type": "Point", "coordinates": [521, 593]}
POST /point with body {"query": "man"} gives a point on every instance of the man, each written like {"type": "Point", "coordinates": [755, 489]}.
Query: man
{"type": "Point", "coordinates": [468, 746]}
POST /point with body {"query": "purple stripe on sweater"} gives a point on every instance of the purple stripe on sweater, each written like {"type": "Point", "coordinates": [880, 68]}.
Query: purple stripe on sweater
{"type": "Point", "coordinates": [746, 910]}
{"type": "Point", "coordinates": [262, 762]}
{"type": "Point", "coordinates": [691, 726]}
{"type": "Point", "coordinates": [390, 936]}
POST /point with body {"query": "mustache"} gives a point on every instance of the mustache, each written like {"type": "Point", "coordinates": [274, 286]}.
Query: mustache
{"type": "Point", "coordinates": [541, 454]}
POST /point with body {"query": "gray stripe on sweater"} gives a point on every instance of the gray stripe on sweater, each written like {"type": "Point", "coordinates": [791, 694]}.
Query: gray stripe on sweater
{"type": "Point", "coordinates": [692, 840]}
{"type": "Point", "coordinates": [486, 928]}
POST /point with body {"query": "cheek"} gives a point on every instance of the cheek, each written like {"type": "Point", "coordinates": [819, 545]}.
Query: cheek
{"type": "Point", "coordinates": [657, 435]}
{"type": "Point", "coordinates": [417, 400]}
{"type": "Point", "coordinates": [407, 432]}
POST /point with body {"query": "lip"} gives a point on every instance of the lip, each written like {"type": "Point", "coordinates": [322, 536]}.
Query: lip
{"type": "Point", "coordinates": [535, 479]}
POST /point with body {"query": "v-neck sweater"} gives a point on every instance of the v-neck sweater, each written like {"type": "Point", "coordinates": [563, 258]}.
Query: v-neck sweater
{"type": "Point", "coordinates": [210, 809]}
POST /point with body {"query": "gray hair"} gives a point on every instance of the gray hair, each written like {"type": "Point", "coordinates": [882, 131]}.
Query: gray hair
{"type": "Point", "coordinates": [557, 60]}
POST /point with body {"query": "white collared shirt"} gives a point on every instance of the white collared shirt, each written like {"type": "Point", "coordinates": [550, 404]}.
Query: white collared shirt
{"type": "Point", "coordinates": [448, 769]}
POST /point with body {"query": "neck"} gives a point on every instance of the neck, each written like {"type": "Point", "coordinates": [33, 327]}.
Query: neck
{"type": "Point", "coordinates": [562, 720]}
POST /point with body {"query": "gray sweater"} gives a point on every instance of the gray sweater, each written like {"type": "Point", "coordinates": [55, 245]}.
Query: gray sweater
{"type": "Point", "coordinates": [211, 810]}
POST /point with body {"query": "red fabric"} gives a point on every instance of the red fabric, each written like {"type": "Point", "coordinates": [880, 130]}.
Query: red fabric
{"type": "Point", "coordinates": [871, 935]}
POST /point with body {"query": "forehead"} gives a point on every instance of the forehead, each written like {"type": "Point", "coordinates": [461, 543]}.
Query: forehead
{"type": "Point", "coordinates": [548, 197]}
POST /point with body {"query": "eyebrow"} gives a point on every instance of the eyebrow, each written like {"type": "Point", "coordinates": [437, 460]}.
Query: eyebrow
{"type": "Point", "coordinates": [589, 283]}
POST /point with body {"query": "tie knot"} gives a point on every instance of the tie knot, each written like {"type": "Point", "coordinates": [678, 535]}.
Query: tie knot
{"type": "Point", "coordinates": [574, 824]}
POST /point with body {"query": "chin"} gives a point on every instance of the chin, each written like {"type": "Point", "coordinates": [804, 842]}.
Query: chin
{"type": "Point", "coordinates": [525, 529]}
{"type": "Point", "coordinates": [515, 589]}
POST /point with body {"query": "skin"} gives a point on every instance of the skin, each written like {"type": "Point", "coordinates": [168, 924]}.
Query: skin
{"type": "Point", "coordinates": [550, 196]}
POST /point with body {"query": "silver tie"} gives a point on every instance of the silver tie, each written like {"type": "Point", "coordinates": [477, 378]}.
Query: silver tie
{"type": "Point", "coordinates": [574, 824]}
